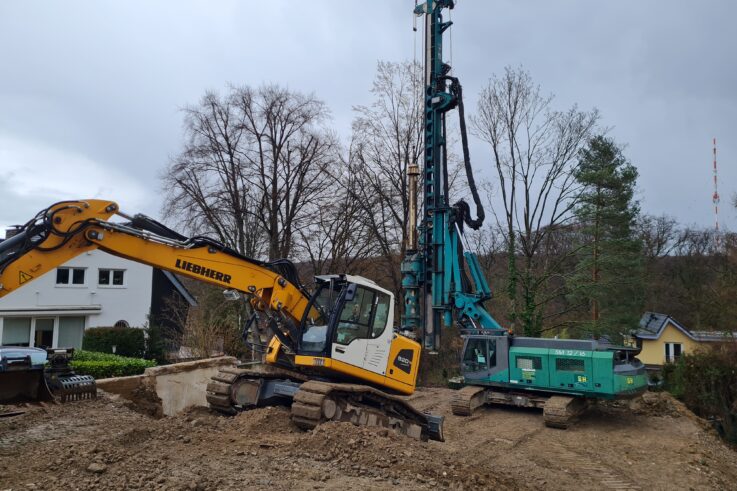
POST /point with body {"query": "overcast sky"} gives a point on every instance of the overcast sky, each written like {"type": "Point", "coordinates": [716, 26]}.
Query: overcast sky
{"type": "Point", "coordinates": [91, 92]}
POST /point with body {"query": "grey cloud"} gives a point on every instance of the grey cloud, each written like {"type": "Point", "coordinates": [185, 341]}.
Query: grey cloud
{"type": "Point", "coordinates": [104, 81]}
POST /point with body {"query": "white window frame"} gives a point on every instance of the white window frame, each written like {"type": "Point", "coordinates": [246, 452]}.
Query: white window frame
{"type": "Point", "coordinates": [71, 277]}
{"type": "Point", "coordinates": [125, 278]}
{"type": "Point", "coordinates": [669, 352]}
{"type": "Point", "coordinates": [57, 327]}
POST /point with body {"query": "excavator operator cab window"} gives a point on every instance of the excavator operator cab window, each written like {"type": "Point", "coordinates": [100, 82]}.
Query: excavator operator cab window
{"type": "Point", "coordinates": [315, 334]}
{"type": "Point", "coordinates": [479, 355]}
{"type": "Point", "coordinates": [381, 315]}
{"type": "Point", "coordinates": [363, 316]}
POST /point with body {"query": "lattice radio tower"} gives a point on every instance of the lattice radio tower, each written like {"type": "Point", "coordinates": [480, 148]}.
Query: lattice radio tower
{"type": "Point", "coordinates": [715, 197]}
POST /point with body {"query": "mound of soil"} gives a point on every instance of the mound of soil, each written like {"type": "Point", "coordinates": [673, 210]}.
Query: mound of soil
{"type": "Point", "coordinates": [103, 444]}
{"type": "Point", "coordinates": [658, 404]}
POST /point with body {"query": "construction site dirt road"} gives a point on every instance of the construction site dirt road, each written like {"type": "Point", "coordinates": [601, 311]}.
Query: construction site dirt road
{"type": "Point", "coordinates": [104, 444]}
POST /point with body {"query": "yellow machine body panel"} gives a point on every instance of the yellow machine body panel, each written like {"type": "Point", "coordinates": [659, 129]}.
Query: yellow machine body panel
{"type": "Point", "coordinates": [404, 361]}
{"type": "Point", "coordinates": [337, 366]}
{"type": "Point", "coordinates": [399, 371]}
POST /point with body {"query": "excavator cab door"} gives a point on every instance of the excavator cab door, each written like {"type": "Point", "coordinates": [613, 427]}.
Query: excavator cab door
{"type": "Point", "coordinates": [361, 337]}
{"type": "Point", "coordinates": [352, 324]}
{"type": "Point", "coordinates": [485, 359]}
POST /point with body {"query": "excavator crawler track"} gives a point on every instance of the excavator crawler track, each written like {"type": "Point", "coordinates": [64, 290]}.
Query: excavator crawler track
{"type": "Point", "coordinates": [234, 389]}
{"type": "Point", "coordinates": [467, 399]}
{"type": "Point", "coordinates": [559, 411]}
{"type": "Point", "coordinates": [313, 402]}
{"type": "Point", "coordinates": [318, 402]}
{"type": "Point", "coordinates": [562, 411]}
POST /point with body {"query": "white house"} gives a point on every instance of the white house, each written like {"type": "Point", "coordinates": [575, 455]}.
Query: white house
{"type": "Point", "coordinates": [94, 289]}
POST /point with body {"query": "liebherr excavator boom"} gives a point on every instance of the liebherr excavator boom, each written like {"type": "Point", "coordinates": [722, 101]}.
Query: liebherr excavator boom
{"type": "Point", "coordinates": [333, 354]}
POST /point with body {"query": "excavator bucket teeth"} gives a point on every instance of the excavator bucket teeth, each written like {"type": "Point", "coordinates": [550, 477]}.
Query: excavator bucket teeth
{"type": "Point", "coordinates": [76, 388]}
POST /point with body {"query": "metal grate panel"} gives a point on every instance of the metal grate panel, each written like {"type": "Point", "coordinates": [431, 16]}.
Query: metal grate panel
{"type": "Point", "coordinates": [569, 364]}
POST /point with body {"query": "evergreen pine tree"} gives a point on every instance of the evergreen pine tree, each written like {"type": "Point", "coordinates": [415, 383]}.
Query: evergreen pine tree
{"type": "Point", "coordinates": [609, 281]}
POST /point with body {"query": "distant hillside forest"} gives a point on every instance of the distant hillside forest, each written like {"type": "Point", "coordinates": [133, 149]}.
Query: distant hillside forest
{"type": "Point", "coordinates": [685, 272]}
{"type": "Point", "coordinates": [565, 246]}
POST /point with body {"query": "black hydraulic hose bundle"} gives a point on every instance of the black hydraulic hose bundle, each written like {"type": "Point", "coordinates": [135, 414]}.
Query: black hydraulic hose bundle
{"type": "Point", "coordinates": [34, 232]}
{"type": "Point", "coordinates": [283, 267]}
{"type": "Point", "coordinates": [463, 207]}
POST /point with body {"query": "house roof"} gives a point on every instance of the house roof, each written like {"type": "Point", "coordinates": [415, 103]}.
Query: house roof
{"type": "Point", "coordinates": [652, 325]}
{"type": "Point", "coordinates": [714, 335]}
{"type": "Point", "coordinates": [180, 288]}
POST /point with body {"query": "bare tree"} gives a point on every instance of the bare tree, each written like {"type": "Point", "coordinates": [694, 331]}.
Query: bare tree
{"type": "Point", "coordinates": [291, 153]}
{"type": "Point", "coordinates": [534, 151]}
{"type": "Point", "coordinates": [339, 236]}
{"type": "Point", "coordinates": [205, 184]}
{"type": "Point", "coordinates": [253, 167]}
{"type": "Point", "coordinates": [659, 235]}
{"type": "Point", "coordinates": [212, 326]}
{"type": "Point", "coordinates": [387, 138]}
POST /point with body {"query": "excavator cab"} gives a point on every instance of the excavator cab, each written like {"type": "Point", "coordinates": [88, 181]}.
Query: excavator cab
{"type": "Point", "coordinates": [348, 327]}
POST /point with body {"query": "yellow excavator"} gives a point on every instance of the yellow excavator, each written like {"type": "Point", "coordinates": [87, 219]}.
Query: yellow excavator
{"type": "Point", "coordinates": [332, 354]}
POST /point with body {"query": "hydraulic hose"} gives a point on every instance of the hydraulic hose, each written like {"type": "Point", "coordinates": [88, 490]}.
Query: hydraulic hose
{"type": "Point", "coordinates": [457, 91]}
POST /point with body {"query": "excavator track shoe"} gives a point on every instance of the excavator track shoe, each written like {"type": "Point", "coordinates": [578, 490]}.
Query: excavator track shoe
{"type": "Point", "coordinates": [319, 402]}
{"type": "Point", "coordinates": [466, 400]}
{"type": "Point", "coordinates": [562, 411]}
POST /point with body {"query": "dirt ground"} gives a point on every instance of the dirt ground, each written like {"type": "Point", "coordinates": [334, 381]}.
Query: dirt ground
{"type": "Point", "coordinates": [102, 444]}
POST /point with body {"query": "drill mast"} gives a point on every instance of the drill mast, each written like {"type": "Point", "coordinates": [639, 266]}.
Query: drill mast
{"type": "Point", "coordinates": [434, 278]}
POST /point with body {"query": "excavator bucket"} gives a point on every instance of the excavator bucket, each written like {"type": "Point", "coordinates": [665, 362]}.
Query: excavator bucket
{"type": "Point", "coordinates": [25, 376]}
{"type": "Point", "coordinates": [63, 382]}
{"type": "Point", "coordinates": [22, 375]}
{"type": "Point", "coordinates": [74, 387]}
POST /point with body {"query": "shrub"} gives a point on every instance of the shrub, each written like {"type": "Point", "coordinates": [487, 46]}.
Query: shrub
{"type": "Point", "coordinates": [105, 365]}
{"type": "Point", "coordinates": [159, 341]}
{"type": "Point", "coordinates": [127, 341]}
{"type": "Point", "coordinates": [706, 381]}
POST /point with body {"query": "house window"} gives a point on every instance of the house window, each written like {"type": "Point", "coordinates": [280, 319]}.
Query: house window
{"type": "Point", "coordinates": [111, 277]}
{"type": "Point", "coordinates": [70, 276]}
{"type": "Point", "coordinates": [16, 331]}
{"type": "Point", "coordinates": [71, 330]}
{"type": "Point", "coordinates": [673, 352]}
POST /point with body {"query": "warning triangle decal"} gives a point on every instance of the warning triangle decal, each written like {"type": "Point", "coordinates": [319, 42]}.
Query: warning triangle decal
{"type": "Point", "coordinates": [24, 277]}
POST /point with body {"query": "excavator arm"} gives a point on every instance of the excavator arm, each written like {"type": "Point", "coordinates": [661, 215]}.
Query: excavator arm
{"type": "Point", "coordinates": [68, 229]}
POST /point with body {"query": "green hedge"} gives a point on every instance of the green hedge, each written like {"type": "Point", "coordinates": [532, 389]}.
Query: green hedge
{"type": "Point", "coordinates": [106, 365]}
{"type": "Point", "coordinates": [706, 381]}
{"type": "Point", "coordinates": [127, 341]}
